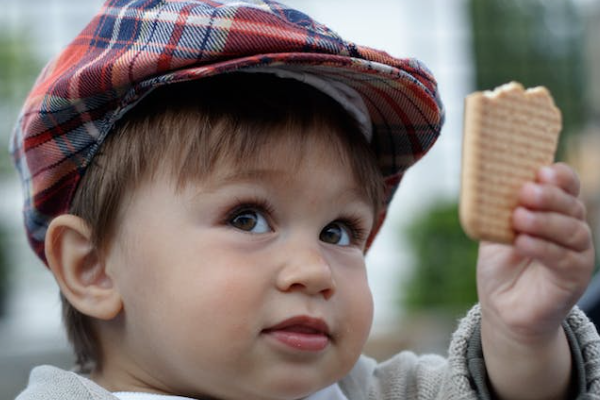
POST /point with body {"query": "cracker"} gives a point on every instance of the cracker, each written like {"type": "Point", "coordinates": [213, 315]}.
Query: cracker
{"type": "Point", "coordinates": [509, 133]}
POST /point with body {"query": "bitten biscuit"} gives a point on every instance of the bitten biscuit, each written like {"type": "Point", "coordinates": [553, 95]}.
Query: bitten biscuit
{"type": "Point", "coordinates": [508, 135]}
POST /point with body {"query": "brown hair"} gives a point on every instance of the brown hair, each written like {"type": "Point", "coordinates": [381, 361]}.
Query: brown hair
{"type": "Point", "coordinates": [188, 129]}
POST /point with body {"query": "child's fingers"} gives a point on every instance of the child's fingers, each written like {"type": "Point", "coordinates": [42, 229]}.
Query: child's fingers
{"type": "Point", "coordinates": [551, 254]}
{"type": "Point", "coordinates": [547, 197]}
{"type": "Point", "coordinates": [561, 175]}
{"type": "Point", "coordinates": [560, 229]}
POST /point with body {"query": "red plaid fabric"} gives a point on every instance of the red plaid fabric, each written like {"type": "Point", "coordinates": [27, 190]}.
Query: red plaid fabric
{"type": "Point", "coordinates": [134, 46]}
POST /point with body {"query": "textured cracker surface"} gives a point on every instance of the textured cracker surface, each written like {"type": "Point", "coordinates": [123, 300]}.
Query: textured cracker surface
{"type": "Point", "coordinates": [508, 135]}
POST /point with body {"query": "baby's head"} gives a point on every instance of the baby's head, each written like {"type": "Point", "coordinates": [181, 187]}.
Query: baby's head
{"type": "Point", "coordinates": [205, 201]}
{"type": "Point", "coordinates": [226, 240]}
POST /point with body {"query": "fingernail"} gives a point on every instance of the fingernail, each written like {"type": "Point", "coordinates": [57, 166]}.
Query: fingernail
{"type": "Point", "coordinates": [524, 213]}
{"type": "Point", "coordinates": [530, 186]}
{"type": "Point", "coordinates": [547, 173]}
{"type": "Point", "coordinates": [535, 189]}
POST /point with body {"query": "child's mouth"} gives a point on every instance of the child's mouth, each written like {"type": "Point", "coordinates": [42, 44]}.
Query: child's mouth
{"type": "Point", "coordinates": [301, 333]}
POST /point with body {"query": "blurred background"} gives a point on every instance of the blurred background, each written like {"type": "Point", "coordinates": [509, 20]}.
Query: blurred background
{"type": "Point", "coordinates": [421, 267]}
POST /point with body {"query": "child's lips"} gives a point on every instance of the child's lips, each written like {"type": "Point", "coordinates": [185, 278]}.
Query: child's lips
{"type": "Point", "coordinates": [301, 333]}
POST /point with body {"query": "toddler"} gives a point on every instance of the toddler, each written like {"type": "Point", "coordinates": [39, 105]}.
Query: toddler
{"type": "Point", "coordinates": [203, 179]}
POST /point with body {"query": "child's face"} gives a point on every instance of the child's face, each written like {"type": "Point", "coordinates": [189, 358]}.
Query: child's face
{"type": "Point", "coordinates": [250, 284]}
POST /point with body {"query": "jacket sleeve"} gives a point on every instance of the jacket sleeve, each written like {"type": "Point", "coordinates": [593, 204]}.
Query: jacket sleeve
{"type": "Point", "coordinates": [585, 348]}
{"type": "Point", "coordinates": [585, 353]}
{"type": "Point", "coordinates": [462, 376]}
{"type": "Point", "coordinates": [51, 383]}
{"type": "Point", "coordinates": [407, 376]}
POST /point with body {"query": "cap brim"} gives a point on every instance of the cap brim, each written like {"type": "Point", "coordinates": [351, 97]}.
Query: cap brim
{"type": "Point", "coordinates": [406, 115]}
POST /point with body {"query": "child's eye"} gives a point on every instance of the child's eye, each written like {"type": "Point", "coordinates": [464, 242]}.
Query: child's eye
{"type": "Point", "coordinates": [336, 233]}
{"type": "Point", "coordinates": [250, 221]}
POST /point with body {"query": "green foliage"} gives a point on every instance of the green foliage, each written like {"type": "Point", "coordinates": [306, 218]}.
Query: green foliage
{"type": "Point", "coordinates": [19, 67]}
{"type": "Point", "coordinates": [18, 70]}
{"type": "Point", "coordinates": [535, 42]}
{"type": "Point", "coordinates": [4, 272]}
{"type": "Point", "coordinates": [444, 273]}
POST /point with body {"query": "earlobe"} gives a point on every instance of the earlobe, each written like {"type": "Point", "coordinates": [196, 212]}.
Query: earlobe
{"type": "Point", "coordinates": [79, 270]}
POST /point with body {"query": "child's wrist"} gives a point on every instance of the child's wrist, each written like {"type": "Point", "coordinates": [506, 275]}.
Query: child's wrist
{"type": "Point", "coordinates": [518, 361]}
{"type": "Point", "coordinates": [531, 334]}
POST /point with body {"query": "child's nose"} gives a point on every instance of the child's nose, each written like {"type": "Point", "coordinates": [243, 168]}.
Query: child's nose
{"type": "Point", "coordinates": [307, 271]}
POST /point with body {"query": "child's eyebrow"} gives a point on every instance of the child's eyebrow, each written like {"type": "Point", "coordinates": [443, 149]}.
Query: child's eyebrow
{"type": "Point", "coordinates": [218, 180]}
{"type": "Point", "coordinates": [273, 176]}
{"type": "Point", "coordinates": [259, 174]}
{"type": "Point", "coordinates": [243, 175]}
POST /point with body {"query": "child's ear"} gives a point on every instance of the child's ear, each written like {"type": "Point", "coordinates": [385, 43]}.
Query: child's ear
{"type": "Point", "coordinates": [79, 270]}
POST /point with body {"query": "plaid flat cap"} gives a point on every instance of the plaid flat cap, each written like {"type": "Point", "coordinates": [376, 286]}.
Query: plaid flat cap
{"type": "Point", "coordinates": [134, 46]}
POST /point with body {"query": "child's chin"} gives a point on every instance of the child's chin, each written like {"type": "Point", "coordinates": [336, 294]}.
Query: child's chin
{"type": "Point", "coordinates": [294, 388]}
{"type": "Point", "coordinates": [295, 392]}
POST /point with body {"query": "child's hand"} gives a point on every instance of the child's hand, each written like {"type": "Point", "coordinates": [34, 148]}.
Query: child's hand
{"type": "Point", "coordinates": [530, 287]}
{"type": "Point", "coordinates": [526, 290]}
